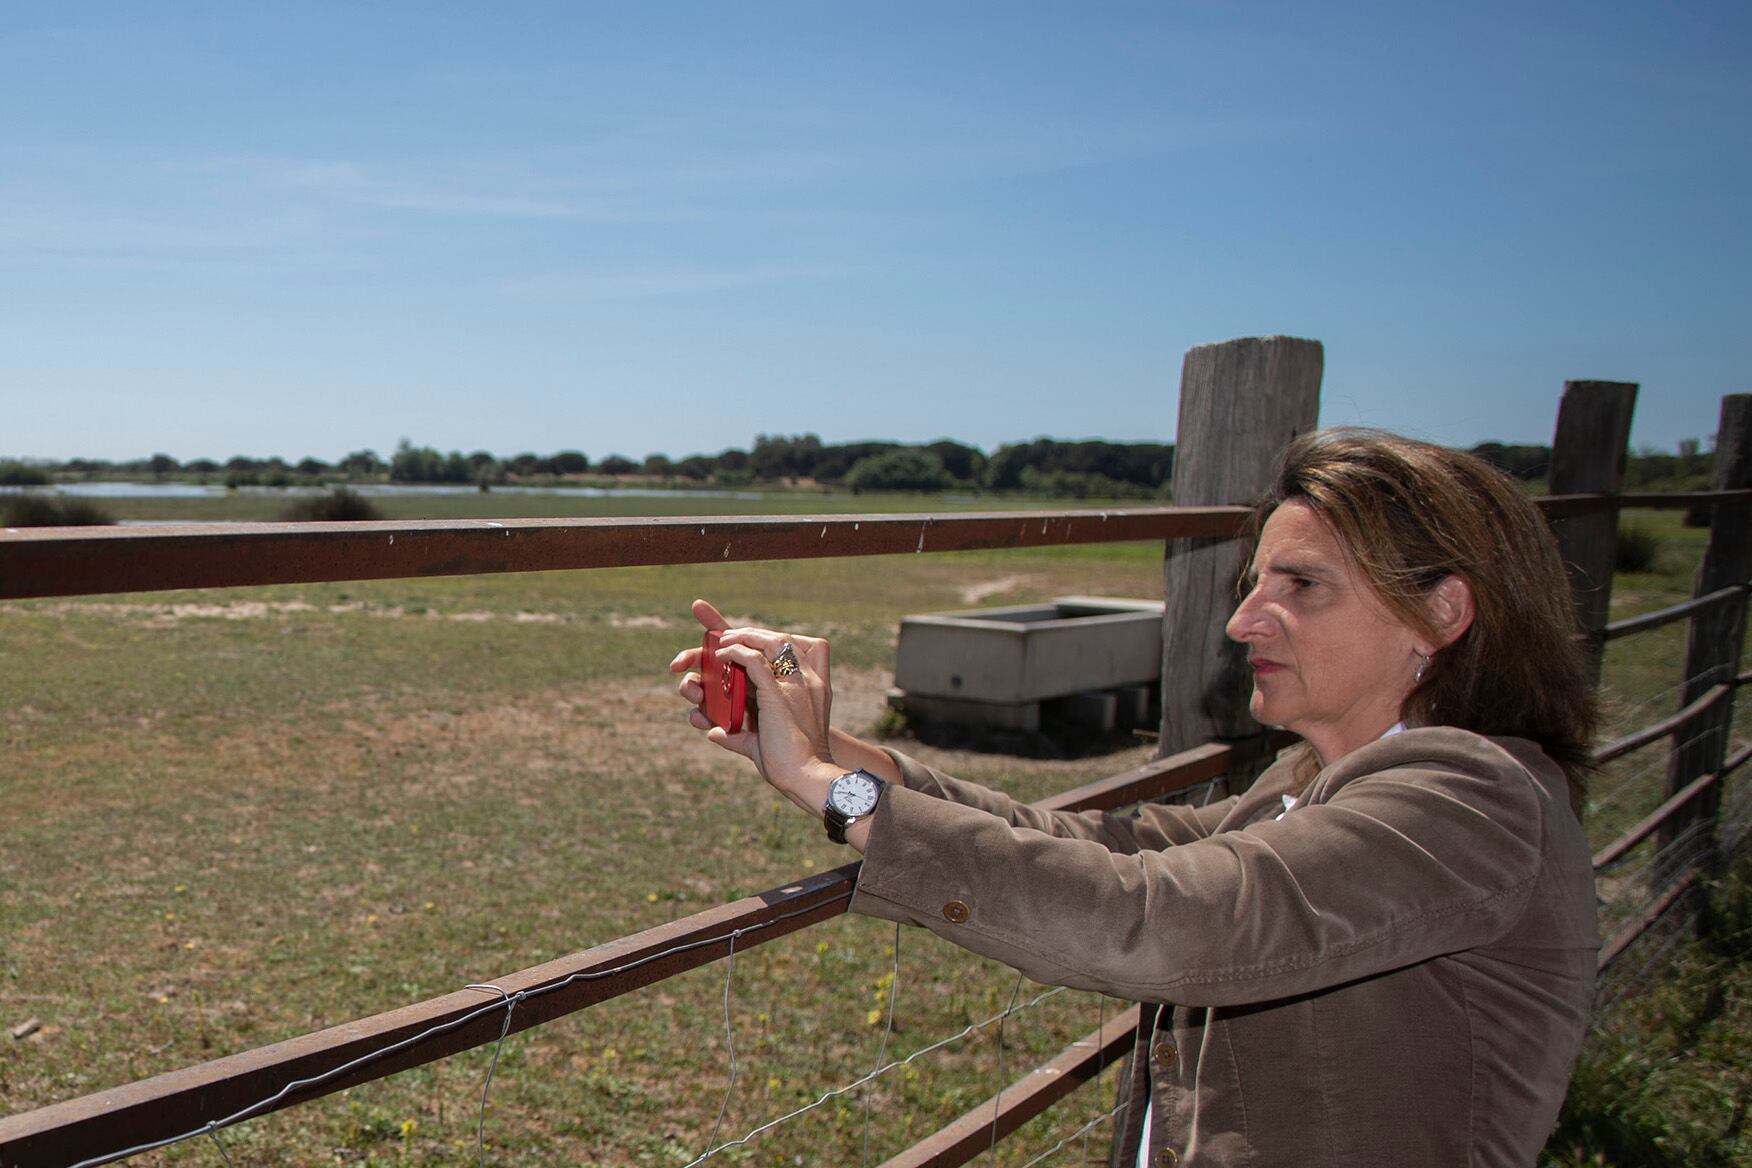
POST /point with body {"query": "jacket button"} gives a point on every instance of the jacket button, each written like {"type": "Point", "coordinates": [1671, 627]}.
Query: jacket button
{"type": "Point", "coordinates": [955, 912]}
{"type": "Point", "coordinates": [1166, 1158]}
{"type": "Point", "coordinates": [1162, 1053]}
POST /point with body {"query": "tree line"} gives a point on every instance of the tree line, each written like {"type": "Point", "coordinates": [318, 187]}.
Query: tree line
{"type": "Point", "coordinates": [1044, 466]}
{"type": "Point", "coordinates": [1048, 466]}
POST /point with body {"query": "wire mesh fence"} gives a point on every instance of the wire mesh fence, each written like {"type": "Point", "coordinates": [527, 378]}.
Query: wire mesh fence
{"type": "Point", "coordinates": [1663, 874]}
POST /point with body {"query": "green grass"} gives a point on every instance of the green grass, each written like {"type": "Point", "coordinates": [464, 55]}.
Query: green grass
{"type": "Point", "coordinates": [259, 506]}
{"type": "Point", "coordinates": [240, 815]}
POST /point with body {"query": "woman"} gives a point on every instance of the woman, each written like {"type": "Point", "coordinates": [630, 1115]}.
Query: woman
{"type": "Point", "coordinates": [1381, 953]}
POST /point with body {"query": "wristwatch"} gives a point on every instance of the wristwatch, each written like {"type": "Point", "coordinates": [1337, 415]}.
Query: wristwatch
{"type": "Point", "coordinates": [850, 798]}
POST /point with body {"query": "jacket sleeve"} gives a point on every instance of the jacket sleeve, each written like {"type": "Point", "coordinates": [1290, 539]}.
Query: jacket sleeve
{"type": "Point", "coordinates": [1433, 849]}
{"type": "Point", "coordinates": [1156, 825]}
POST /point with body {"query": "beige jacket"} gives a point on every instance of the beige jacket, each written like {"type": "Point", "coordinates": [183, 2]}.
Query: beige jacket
{"type": "Point", "coordinates": [1396, 972]}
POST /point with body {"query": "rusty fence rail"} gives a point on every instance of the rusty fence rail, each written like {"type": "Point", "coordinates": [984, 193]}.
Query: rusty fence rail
{"type": "Point", "coordinates": [74, 561]}
{"type": "Point", "coordinates": [1666, 728]}
{"type": "Point", "coordinates": [84, 561]}
{"type": "Point", "coordinates": [1666, 616]}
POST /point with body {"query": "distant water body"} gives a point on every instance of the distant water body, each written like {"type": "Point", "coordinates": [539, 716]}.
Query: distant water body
{"type": "Point", "coordinates": [105, 490]}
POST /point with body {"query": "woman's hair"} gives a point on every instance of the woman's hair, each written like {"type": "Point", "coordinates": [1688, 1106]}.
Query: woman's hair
{"type": "Point", "coordinates": [1410, 514]}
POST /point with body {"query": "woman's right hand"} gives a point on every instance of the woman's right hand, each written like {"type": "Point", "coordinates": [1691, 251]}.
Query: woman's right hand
{"type": "Point", "coordinates": [790, 741]}
{"type": "Point", "coordinates": [691, 689]}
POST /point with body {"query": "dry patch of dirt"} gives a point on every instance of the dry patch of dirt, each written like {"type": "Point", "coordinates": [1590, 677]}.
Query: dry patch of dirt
{"type": "Point", "coordinates": [976, 592]}
{"type": "Point", "coordinates": [646, 621]}
{"type": "Point", "coordinates": [611, 727]}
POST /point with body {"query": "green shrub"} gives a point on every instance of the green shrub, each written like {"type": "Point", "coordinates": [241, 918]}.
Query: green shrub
{"type": "Point", "coordinates": [339, 505]}
{"type": "Point", "coordinates": [1638, 549]}
{"type": "Point", "coordinates": [17, 474]}
{"type": "Point", "coordinates": [52, 511]}
{"type": "Point", "coordinates": [1070, 484]}
{"type": "Point", "coordinates": [903, 469]}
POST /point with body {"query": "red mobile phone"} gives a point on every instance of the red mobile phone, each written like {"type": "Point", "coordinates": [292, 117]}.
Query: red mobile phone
{"type": "Point", "coordinates": [726, 686]}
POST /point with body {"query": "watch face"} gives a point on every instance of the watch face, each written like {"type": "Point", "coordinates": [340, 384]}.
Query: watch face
{"type": "Point", "coordinates": [853, 795]}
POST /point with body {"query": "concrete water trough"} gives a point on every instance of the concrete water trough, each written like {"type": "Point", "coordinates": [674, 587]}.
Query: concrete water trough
{"type": "Point", "coordinates": [1098, 659]}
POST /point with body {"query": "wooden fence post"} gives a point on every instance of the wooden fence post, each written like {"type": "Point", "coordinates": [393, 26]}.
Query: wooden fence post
{"type": "Point", "coordinates": [1241, 402]}
{"type": "Point", "coordinates": [1587, 457]}
{"type": "Point", "coordinates": [1716, 635]}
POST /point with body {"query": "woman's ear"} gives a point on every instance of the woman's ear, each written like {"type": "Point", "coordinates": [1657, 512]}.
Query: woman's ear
{"type": "Point", "coordinates": [1451, 611]}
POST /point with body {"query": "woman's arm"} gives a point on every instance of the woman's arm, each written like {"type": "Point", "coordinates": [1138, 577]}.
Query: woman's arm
{"type": "Point", "coordinates": [1432, 853]}
{"type": "Point", "coordinates": [852, 753]}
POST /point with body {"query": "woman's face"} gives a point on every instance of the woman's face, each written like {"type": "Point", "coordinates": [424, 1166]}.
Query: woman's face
{"type": "Point", "coordinates": [1330, 662]}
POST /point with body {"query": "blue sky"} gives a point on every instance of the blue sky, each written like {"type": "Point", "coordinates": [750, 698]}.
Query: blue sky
{"type": "Point", "coordinates": [307, 229]}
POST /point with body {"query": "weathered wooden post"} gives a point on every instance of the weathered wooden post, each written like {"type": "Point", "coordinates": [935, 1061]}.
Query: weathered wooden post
{"type": "Point", "coordinates": [1241, 402]}
{"type": "Point", "coordinates": [1717, 635]}
{"type": "Point", "coordinates": [1587, 457]}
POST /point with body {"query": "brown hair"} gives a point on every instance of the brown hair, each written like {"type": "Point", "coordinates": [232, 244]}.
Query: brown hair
{"type": "Point", "coordinates": [1409, 514]}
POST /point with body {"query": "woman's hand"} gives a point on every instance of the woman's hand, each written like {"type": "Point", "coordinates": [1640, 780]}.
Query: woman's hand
{"type": "Point", "coordinates": [789, 742]}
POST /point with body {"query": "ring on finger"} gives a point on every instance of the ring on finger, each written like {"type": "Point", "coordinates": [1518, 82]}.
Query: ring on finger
{"type": "Point", "coordinates": [786, 663]}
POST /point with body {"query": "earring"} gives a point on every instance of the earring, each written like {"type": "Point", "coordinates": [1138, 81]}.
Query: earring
{"type": "Point", "coordinates": [1423, 663]}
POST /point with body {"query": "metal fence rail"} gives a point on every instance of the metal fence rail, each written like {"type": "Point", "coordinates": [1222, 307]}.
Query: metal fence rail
{"type": "Point", "coordinates": [76, 561]}
{"type": "Point", "coordinates": [1665, 728]}
{"type": "Point", "coordinates": [85, 561]}
{"type": "Point", "coordinates": [1666, 616]}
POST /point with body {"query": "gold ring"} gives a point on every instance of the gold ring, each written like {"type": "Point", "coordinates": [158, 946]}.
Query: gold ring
{"type": "Point", "coordinates": [785, 664]}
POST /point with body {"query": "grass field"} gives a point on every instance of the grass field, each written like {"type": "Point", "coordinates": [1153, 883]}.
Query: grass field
{"type": "Point", "coordinates": [259, 506]}
{"type": "Point", "coordinates": [237, 816]}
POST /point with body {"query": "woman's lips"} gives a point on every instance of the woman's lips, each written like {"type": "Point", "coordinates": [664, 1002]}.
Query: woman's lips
{"type": "Point", "coordinates": [1260, 665]}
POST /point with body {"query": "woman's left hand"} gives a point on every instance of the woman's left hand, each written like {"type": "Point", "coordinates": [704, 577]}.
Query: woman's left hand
{"type": "Point", "coordinates": [789, 742]}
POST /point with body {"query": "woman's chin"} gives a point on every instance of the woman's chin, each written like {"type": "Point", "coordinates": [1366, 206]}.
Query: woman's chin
{"type": "Point", "coordinates": [1264, 712]}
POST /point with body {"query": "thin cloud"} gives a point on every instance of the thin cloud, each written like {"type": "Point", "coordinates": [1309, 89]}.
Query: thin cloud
{"type": "Point", "coordinates": [35, 230]}
{"type": "Point", "coordinates": [102, 238]}
{"type": "Point", "coordinates": [647, 285]}
{"type": "Point", "coordinates": [352, 182]}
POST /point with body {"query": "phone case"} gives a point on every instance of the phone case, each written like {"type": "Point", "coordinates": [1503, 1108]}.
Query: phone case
{"type": "Point", "coordinates": [726, 687]}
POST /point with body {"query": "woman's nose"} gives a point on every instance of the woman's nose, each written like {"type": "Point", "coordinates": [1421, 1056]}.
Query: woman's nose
{"type": "Point", "coordinates": [1248, 621]}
